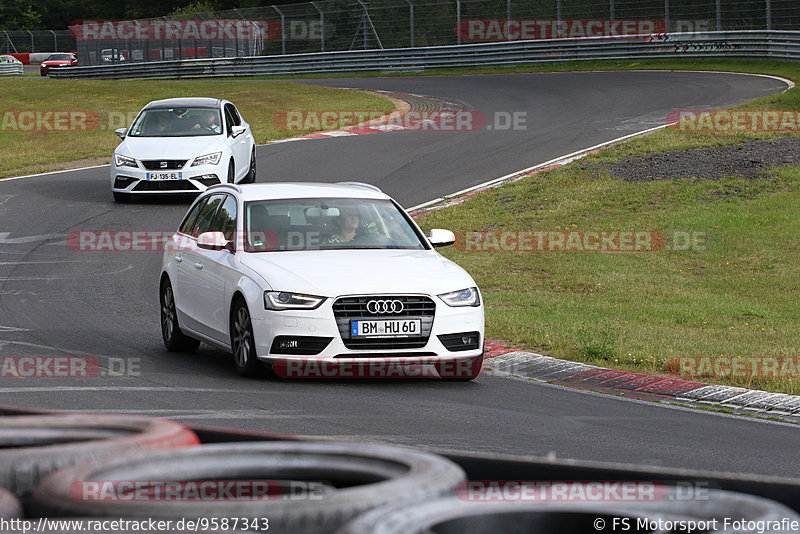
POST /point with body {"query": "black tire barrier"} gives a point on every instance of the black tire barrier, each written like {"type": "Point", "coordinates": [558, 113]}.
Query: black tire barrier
{"type": "Point", "coordinates": [10, 507]}
{"type": "Point", "coordinates": [357, 477]}
{"type": "Point", "coordinates": [452, 515]}
{"type": "Point", "coordinates": [32, 447]}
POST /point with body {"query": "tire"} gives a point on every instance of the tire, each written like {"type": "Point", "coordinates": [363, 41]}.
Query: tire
{"type": "Point", "coordinates": [174, 339]}
{"type": "Point", "coordinates": [462, 371]}
{"type": "Point", "coordinates": [10, 507]}
{"type": "Point", "coordinates": [231, 172]}
{"type": "Point", "coordinates": [453, 514]}
{"type": "Point", "coordinates": [251, 174]}
{"type": "Point", "coordinates": [31, 447]}
{"type": "Point", "coordinates": [243, 344]}
{"type": "Point", "coordinates": [122, 197]}
{"type": "Point", "coordinates": [362, 475]}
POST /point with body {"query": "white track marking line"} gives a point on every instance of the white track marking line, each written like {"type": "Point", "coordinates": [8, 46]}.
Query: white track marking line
{"type": "Point", "coordinates": [561, 160]}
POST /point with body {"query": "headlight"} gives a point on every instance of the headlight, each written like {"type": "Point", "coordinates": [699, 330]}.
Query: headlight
{"type": "Point", "coordinates": [281, 300]}
{"type": "Point", "coordinates": [462, 297]}
{"type": "Point", "coordinates": [124, 161]}
{"type": "Point", "coordinates": [208, 159]}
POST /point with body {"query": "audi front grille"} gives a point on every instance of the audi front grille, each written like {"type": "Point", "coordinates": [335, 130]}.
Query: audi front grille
{"type": "Point", "coordinates": [348, 309]}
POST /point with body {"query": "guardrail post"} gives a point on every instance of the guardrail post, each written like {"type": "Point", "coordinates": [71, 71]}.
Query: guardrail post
{"type": "Point", "coordinates": [458, 21]}
{"type": "Point", "coordinates": [283, 29]}
{"type": "Point", "coordinates": [611, 9]}
{"type": "Point", "coordinates": [321, 27]}
{"type": "Point", "coordinates": [666, 14]}
{"type": "Point", "coordinates": [768, 7]}
{"type": "Point", "coordinates": [719, 15]}
{"type": "Point", "coordinates": [411, 25]}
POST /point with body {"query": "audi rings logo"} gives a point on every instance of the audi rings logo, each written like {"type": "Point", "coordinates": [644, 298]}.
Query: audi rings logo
{"type": "Point", "coordinates": [384, 306]}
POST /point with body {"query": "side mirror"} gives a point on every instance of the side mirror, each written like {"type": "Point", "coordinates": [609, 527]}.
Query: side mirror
{"type": "Point", "coordinates": [236, 131]}
{"type": "Point", "coordinates": [121, 132]}
{"type": "Point", "coordinates": [214, 241]}
{"type": "Point", "coordinates": [441, 238]}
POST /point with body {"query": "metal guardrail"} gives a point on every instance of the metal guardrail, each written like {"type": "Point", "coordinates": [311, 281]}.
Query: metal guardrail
{"type": "Point", "coordinates": [740, 44]}
{"type": "Point", "coordinates": [11, 69]}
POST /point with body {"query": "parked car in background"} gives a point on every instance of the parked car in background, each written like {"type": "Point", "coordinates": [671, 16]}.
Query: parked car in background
{"type": "Point", "coordinates": [60, 59]}
{"type": "Point", "coordinates": [183, 145]}
{"type": "Point", "coordinates": [113, 55]}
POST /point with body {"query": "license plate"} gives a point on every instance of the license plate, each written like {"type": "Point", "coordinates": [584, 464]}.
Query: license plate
{"type": "Point", "coordinates": [386, 328]}
{"type": "Point", "coordinates": [165, 175]}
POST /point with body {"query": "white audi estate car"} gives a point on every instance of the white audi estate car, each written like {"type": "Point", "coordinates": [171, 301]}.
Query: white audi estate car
{"type": "Point", "coordinates": [182, 145]}
{"type": "Point", "coordinates": [318, 280]}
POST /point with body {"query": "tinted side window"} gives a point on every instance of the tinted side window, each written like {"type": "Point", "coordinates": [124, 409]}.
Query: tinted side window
{"type": "Point", "coordinates": [206, 215]}
{"type": "Point", "coordinates": [188, 222]}
{"type": "Point", "coordinates": [226, 218]}
{"type": "Point", "coordinates": [228, 121]}
{"type": "Point", "coordinates": [230, 108]}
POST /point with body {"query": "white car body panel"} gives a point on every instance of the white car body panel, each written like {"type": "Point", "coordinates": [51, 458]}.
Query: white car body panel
{"type": "Point", "coordinates": [206, 281]}
{"type": "Point", "coordinates": [234, 148]}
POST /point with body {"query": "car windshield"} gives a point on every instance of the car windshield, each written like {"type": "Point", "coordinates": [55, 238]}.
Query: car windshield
{"type": "Point", "coordinates": [176, 122]}
{"type": "Point", "coordinates": [328, 223]}
{"type": "Point", "coordinates": [53, 57]}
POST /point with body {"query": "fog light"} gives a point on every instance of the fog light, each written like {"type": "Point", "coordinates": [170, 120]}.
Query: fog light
{"type": "Point", "coordinates": [301, 345]}
{"type": "Point", "coordinates": [459, 342]}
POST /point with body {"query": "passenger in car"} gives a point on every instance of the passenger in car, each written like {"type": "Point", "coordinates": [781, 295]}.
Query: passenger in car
{"type": "Point", "coordinates": [162, 124]}
{"type": "Point", "coordinates": [347, 223]}
{"type": "Point", "coordinates": [208, 122]}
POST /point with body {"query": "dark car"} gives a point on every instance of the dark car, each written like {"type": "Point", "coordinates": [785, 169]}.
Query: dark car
{"type": "Point", "coordinates": [61, 59]}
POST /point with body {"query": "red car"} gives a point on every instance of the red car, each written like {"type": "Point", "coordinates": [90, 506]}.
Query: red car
{"type": "Point", "coordinates": [58, 60]}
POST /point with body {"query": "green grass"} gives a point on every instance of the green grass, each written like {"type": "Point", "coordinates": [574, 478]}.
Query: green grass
{"type": "Point", "coordinates": [116, 102]}
{"type": "Point", "coordinates": [735, 292]}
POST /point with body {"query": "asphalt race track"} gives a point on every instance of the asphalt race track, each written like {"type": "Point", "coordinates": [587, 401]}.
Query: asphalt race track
{"type": "Point", "coordinates": [55, 301]}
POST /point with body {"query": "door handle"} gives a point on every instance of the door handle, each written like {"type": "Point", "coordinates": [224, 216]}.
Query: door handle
{"type": "Point", "coordinates": [178, 258]}
{"type": "Point", "coordinates": [198, 265]}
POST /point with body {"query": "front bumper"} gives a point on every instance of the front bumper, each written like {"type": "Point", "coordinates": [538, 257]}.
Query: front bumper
{"type": "Point", "coordinates": [135, 180]}
{"type": "Point", "coordinates": [321, 348]}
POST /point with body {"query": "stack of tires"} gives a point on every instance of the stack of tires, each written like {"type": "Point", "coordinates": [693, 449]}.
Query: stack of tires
{"type": "Point", "coordinates": [75, 466]}
{"type": "Point", "coordinates": [50, 461]}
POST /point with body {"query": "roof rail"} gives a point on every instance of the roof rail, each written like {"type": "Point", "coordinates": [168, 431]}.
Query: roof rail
{"type": "Point", "coordinates": [361, 184]}
{"type": "Point", "coordinates": [235, 187]}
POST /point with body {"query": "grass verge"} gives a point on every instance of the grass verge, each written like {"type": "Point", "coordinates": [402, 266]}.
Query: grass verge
{"type": "Point", "coordinates": [728, 293]}
{"type": "Point", "coordinates": [116, 102]}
